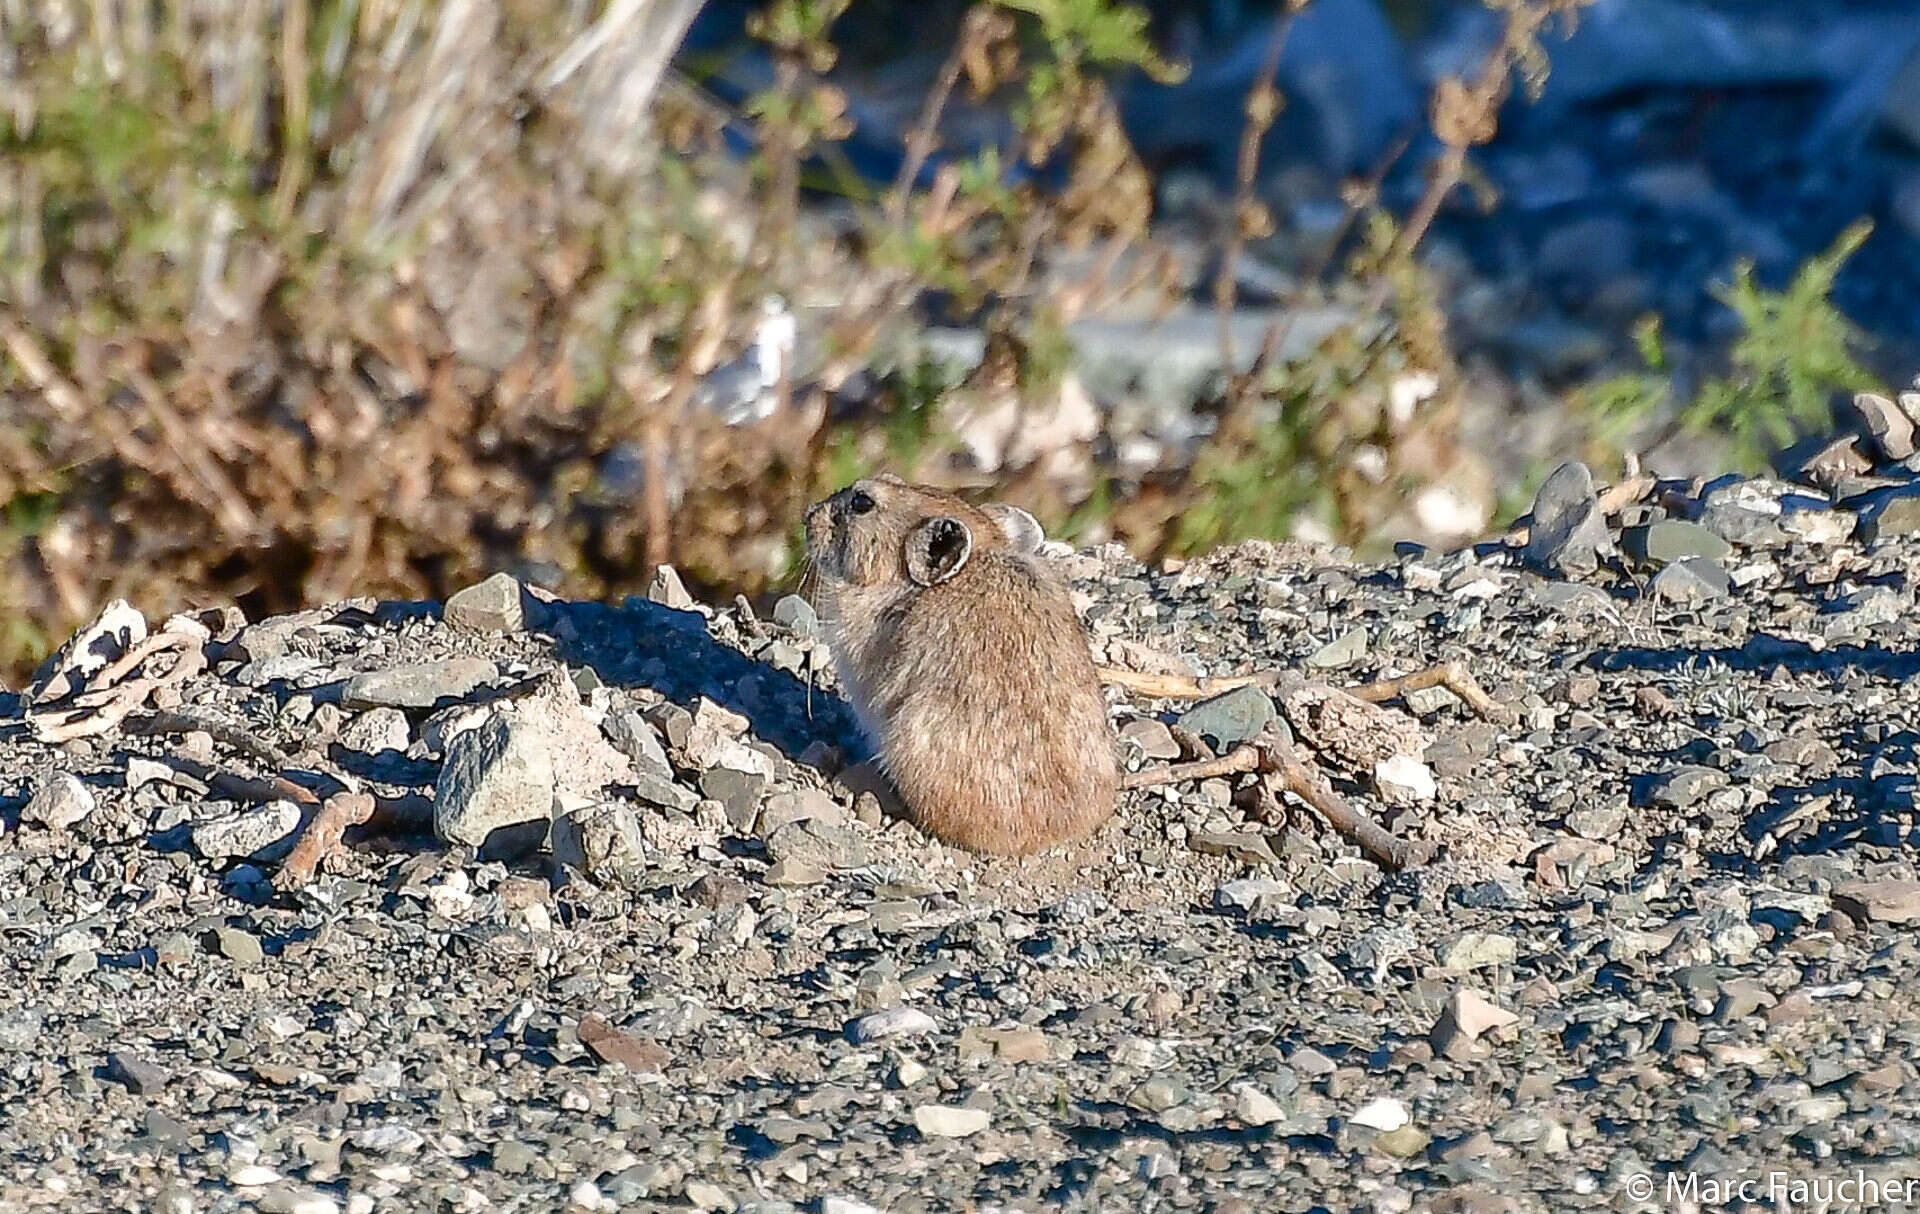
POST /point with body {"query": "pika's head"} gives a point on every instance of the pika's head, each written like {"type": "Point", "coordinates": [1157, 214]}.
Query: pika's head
{"type": "Point", "coordinates": [882, 532]}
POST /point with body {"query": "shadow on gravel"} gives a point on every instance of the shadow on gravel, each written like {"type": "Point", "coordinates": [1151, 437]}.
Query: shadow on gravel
{"type": "Point", "coordinates": [1762, 653]}
{"type": "Point", "coordinates": [642, 643]}
{"type": "Point", "coordinates": [1870, 800]}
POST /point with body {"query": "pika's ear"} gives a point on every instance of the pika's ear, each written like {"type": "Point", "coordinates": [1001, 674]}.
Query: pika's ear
{"type": "Point", "coordinates": [937, 549]}
{"type": "Point", "coordinates": [888, 478]}
{"type": "Point", "coordinates": [1021, 529]}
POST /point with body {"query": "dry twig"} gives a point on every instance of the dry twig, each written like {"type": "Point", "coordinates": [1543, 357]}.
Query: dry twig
{"type": "Point", "coordinates": [1282, 769]}
{"type": "Point", "coordinates": [1262, 107]}
{"type": "Point", "coordinates": [1180, 686]}
{"type": "Point", "coordinates": [158, 723]}
{"type": "Point", "coordinates": [109, 701]}
{"type": "Point", "coordinates": [322, 837]}
{"type": "Point", "coordinates": [1452, 675]}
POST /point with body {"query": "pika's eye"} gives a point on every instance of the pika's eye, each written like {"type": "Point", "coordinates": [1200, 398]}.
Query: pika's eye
{"type": "Point", "coordinates": [860, 502]}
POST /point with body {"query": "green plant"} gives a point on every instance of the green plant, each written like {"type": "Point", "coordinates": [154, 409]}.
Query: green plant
{"type": "Point", "coordinates": [1337, 448]}
{"type": "Point", "coordinates": [1266, 463]}
{"type": "Point", "coordinates": [1793, 355]}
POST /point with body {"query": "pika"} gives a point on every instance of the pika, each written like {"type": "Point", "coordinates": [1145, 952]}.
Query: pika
{"type": "Point", "coordinates": [962, 655]}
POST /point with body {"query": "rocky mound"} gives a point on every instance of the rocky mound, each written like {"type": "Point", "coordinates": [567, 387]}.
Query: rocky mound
{"type": "Point", "coordinates": [516, 903]}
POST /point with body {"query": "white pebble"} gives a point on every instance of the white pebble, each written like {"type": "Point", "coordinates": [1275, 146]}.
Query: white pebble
{"type": "Point", "coordinates": [1385, 1114]}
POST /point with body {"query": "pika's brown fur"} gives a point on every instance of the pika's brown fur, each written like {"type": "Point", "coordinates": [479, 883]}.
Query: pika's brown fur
{"type": "Point", "coordinates": [962, 654]}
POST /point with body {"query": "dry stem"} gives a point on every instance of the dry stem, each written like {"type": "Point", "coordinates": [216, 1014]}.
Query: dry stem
{"type": "Point", "coordinates": [1263, 105]}
{"type": "Point", "coordinates": [1451, 675]}
{"type": "Point", "coordinates": [321, 838]}
{"type": "Point", "coordinates": [1274, 756]}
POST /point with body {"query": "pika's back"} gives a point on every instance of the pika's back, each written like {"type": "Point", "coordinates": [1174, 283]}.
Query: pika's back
{"type": "Point", "coordinates": [964, 658]}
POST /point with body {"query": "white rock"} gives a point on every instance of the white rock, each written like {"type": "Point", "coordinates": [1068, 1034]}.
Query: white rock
{"type": "Point", "coordinates": [1254, 1107]}
{"type": "Point", "coordinates": [264, 833]}
{"type": "Point", "coordinates": [377, 730]}
{"type": "Point", "coordinates": [59, 801]}
{"type": "Point", "coordinates": [950, 1121]}
{"type": "Point", "coordinates": [1247, 893]}
{"type": "Point", "coordinates": [714, 741]}
{"type": "Point", "coordinates": [909, 1073]}
{"type": "Point", "coordinates": [1383, 1114]}
{"type": "Point", "coordinates": [1404, 780]}
{"type": "Point", "coordinates": [899, 1021]}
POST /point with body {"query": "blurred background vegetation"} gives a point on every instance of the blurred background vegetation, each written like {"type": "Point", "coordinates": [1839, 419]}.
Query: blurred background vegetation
{"type": "Point", "coordinates": [301, 299]}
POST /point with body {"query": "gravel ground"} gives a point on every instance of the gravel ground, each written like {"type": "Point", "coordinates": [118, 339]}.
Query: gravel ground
{"type": "Point", "coordinates": [1668, 938]}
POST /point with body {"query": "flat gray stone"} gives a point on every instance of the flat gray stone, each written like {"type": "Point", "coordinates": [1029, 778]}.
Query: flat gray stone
{"type": "Point", "coordinates": [266, 833]}
{"type": "Point", "coordinates": [420, 685]}
{"type": "Point", "coordinates": [1248, 893]}
{"type": "Point", "coordinates": [890, 1022]}
{"type": "Point", "coordinates": [817, 845]}
{"type": "Point", "coordinates": [633, 737]}
{"type": "Point", "coordinates": [799, 805]}
{"type": "Point", "coordinates": [1671, 540]}
{"type": "Point", "coordinates": [1227, 720]}
{"type": "Point", "coordinates": [1153, 738]}
{"type": "Point", "coordinates": [1568, 534]}
{"type": "Point", "coordinates": [1248, 847]}
{"type": "Point", "coordinates": [1692, 580]}
{"type": "Point", "coordinates": [1686, 786]}
{"type": "Point", "coordinates": [662, 790]}
{"type": "Point", "coordinates": [141, 1076]}
{"type": "Point", "coordinates": [739, 791]}
{"type": "Point", "coordinates": [1344, 651]}
{"type": "Point", "coordinates": [795, 613]}
{"type": "Point", "coordinates": [1888, 901]}
{"type": "Point", "coordinates": [238, 945]}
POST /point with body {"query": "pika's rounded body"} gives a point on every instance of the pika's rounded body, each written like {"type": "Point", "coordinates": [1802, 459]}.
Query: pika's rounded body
{"type": "Point", "coordinates": [962, 655]}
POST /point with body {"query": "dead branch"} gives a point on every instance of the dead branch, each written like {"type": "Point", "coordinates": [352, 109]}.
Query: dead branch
{"type": "Point", "coordinates": [101, 709]}
{"type": "Point", "coordinates": [1274, 756]}
{"type": "Point", "coordinates": [123, 665]}
{"type": "Point", "coordinates": [1239, 760]}
{"type": "Point", "coordinates": [1180, 686]}
{"type": "Point", "coordinates": [59, 391]}
{"type": "Point", "coordinates": [1451, 675]}
{"type": "Point", "coordinates": [1305, 781]}
{"type": "Point", "coordinates": [322, 838]}
{"type": "Point", "coordinates": [1262, 107]}
{"type": "Point", "coordinates": [273, 788]}
{"type": "Point", "coordinates": [180, 722]}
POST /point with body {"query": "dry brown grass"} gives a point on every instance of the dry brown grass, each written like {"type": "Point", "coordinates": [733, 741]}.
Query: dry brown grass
{"type": "Point", "coordinates": [308, 298]}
